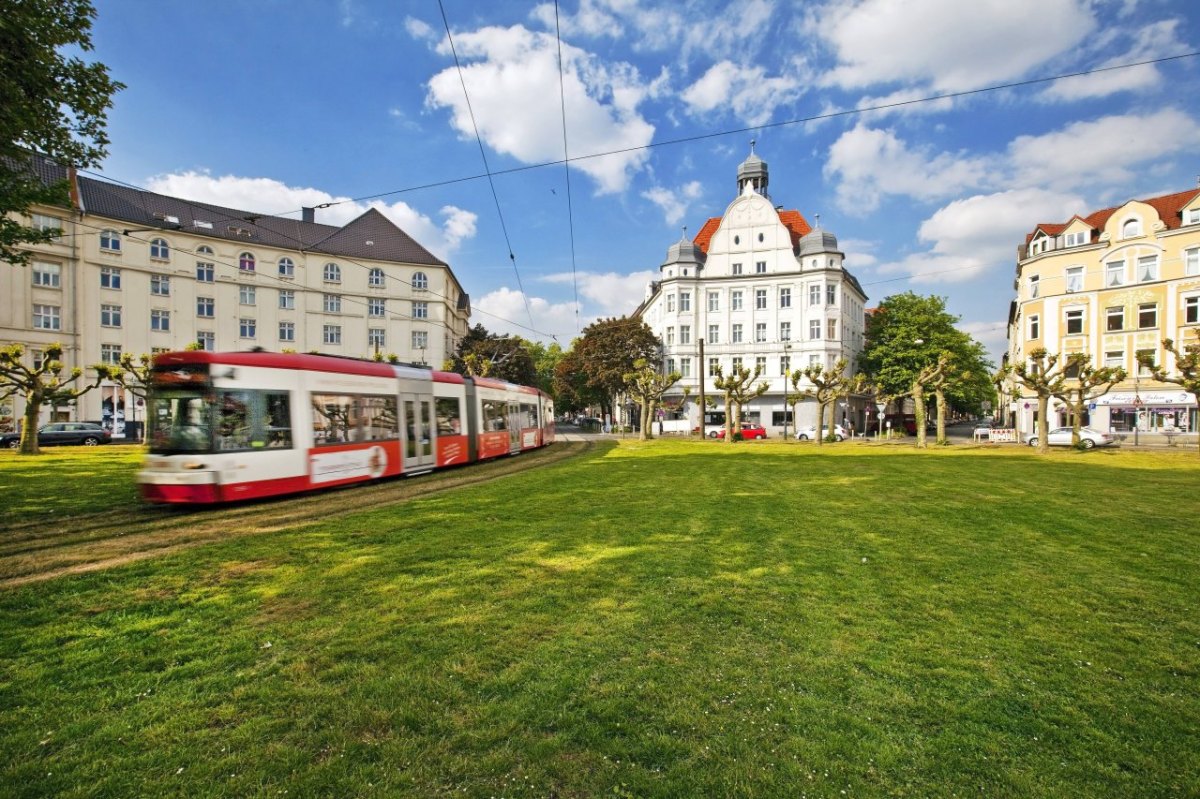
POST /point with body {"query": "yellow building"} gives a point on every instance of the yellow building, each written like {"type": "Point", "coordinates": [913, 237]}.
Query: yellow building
{"type": "Point", "coordinates": [138, 272]}
{"type": "Point", "coordinates": [1112, 284]}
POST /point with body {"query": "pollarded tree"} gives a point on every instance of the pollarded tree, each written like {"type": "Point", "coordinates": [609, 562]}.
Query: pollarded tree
{"type": "Point", "coordinates": [1042, 374]}
{"type": "Point", "coordinates": [739, 391]}
{"type": "Point", "coordinates": [827, 387]}
{"type": "Point", "coordinates": [40, 384]}
{"type": "Point", "coordinates": [1083, 384]}
{"type": "Point", "coordinates": [1187, 367]}
{"type": "Point", "coordinates": [647, 386]}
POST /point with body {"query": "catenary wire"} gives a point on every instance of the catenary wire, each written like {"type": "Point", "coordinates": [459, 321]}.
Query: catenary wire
{"type": "Point", "coordinates": [562, 100]}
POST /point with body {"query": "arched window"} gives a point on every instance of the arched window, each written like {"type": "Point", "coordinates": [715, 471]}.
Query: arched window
{"type": "Point", "coordinates": [160, 250]}
{"type": "Point", "coordinates": [287, 268]}
{"type": "Point", "coordinates": [333, 273]}
{"type": "Point", "coordinates": [419, 281]}
{"type": "Point", "coordinates": [204, 249]}
{"type": "Point", "coordinates": [375, 277]}
{"type": "Point", "coordinates": [110, 240]}
{"type": "Point", "coordinates": [246, 262]}
{"type": "Point", "coordinates": [1132, 227]}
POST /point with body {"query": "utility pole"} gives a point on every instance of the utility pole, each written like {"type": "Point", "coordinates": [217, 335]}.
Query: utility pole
{"type": "Point", "coordinates": [701, 372]}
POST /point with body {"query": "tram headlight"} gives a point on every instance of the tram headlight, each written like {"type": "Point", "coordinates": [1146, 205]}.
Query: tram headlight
{"type": "Point", "coordinates": [193, 465]}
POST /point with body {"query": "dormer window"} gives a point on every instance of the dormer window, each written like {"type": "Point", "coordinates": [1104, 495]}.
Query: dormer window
{"type": "Point", "coordinates": [1075, 239]}
{"type": "Point", "coordinates": [1192, 216]}
{"type": "Point", "coordinates": [1131, 228]}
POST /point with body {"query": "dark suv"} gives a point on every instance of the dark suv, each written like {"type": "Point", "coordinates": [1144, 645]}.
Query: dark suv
{"type": "Point", "coordinates": [85, 433]}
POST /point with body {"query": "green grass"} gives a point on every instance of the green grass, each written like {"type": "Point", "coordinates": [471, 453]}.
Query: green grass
{"type": "Point", "coordinates": [65, 481]}
{"type": "Point", "coordinates": [667, 619]}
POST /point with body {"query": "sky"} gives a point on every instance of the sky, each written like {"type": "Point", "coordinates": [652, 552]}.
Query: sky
{"type": "Point", "coordinates": [277, 104]}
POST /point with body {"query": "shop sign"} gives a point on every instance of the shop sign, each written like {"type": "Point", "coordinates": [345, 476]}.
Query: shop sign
{"type": "Point", "coordinates": [1147, 398]}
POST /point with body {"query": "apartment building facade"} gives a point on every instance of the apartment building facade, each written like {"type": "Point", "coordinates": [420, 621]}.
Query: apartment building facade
{"type": "Point", "coordinates": [756, 287]}
{"type": "Point", "coordinates": [1112, 284]}
{"type": "Point", "coordinates": [138, 272]}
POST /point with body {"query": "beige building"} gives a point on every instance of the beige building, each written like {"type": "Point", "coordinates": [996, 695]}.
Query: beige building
{"type": "Point", "coordinates": [139, 272]}
{"type": "Point", "coordinates": [1113, 285]}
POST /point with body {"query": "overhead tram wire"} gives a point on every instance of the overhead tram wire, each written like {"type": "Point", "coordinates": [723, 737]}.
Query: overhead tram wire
{"type": "Point", "coordinates": [483, 154]}
{"type": "Point", "coordinates": [562, 101]}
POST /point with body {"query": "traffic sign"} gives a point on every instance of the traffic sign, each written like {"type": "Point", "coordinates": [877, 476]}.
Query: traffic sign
{"type": "Point", "coordinates": [1137, 402]}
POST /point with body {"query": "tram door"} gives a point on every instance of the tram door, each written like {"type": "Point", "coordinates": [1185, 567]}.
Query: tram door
{"type": "Point", "coordinates": [418, 432]}
{"type": "Point", "coordinates": [514, 427]}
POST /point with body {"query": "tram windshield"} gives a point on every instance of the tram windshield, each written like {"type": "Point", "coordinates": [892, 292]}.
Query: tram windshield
{"type": "Point", "coordinates": [180, 421]}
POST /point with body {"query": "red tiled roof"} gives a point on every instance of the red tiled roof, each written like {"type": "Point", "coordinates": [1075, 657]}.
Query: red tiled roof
{"type": "Point", "coordinates": [792, 220]}
{"type": "Point", "coordinates": [1168, 206]}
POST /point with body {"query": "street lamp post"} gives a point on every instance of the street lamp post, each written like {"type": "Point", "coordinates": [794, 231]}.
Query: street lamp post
{"type": "Point", "coordinates": [1137, 404]}
{"type": "Point", "coordinates": [787, 348]}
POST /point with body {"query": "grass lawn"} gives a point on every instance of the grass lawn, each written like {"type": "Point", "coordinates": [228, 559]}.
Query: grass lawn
{"type": "Point", "coordinates": [677, 618]}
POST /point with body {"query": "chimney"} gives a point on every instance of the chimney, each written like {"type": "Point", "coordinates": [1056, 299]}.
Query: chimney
{"type": "Point", "coordinates": [308, 214]}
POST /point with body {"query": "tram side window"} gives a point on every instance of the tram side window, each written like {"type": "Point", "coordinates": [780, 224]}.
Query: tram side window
{"type": "Point", "coordinates": [494, 416]}
{"type": "Point", "coordinates": [233, 420]}
{"type": "Point", "coordinates": [379, 419]}
{"type": "Point", "coordinates": [529, 416]}
{"type": "Point", "coordinates": [449, 416]}
{"type": "Point", "coordinates": [278, 421]}
{"type": "Point", "coordinates": [333, 418]}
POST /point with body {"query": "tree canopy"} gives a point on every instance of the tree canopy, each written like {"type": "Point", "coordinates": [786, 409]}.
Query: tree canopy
{"type": "Point", "coordinates": [608, 351]}
{"type": "Point", "coordinates": [54, 104]}
{"type": "Point", "coordinates": [484, 354]}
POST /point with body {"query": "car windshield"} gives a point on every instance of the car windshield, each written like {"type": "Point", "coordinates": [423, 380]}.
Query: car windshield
{"type": "Point", "coordinates": [180, 421]}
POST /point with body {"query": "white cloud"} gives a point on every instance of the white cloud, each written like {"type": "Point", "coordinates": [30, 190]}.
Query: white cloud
{"type": "Point", "coordinates": [947, 45]}
{"type": "Point", "coordinates": [265, 195]}
{"type": "Point", "coordinates": [873, 163]}
{"type": "Point", "coordinates": [674, 202]}
{"type": "Point", "coordinates": [1156, 40]}
{"type": "Point", "coordinates": [860, 253]}
{"type": "Point", "coordinates": [419, 29]}
{"type": "Point", "coordinates": [745, 92]}
{"type": "Point", "coordinates": [512, 77]}
{"type": "Point", "coordinates": [503, 312]}
{"type": "Point", "coordinates": [611, 293]}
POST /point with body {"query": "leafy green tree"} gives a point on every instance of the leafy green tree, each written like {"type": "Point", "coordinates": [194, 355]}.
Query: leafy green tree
{"type": "Point", "coordinates": [545, 359]}
{"type": "Point", "coordinates": [607, 351]}
{"type": "Point", "coordinates": [647, 386]}
{"type": "Point", "coordinates": [1042, 374]}
{"type": "Point", "coordinates": [53, 103]}
{"type": "Point", "coordinates": [1083, 384]}
{"type": "Point", "coordinates": [484, 354]}
{"type": "Point", "coordinates": [571, 389]}
{"type": "Point", "coordinates": [1187, 367]}
{"type": "Point", "coordinates": [739, 391]}
{"type": "Point", "coordinates": [40, 385]}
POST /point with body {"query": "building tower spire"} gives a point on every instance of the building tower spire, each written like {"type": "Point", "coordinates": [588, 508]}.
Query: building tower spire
{"type": "Point", "coordinates": [753, 172]}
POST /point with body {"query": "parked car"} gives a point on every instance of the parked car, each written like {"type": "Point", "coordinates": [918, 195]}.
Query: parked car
{"type": "Point", "coordinates": [1088, 437]}
{"type": "Point", "coordinates": [85, 433]}
{"type": "Point", "coordinates": [983, 429]}
{"type": "Point", "coordinates": [810, 433]}
{"type": "Point", "coordinates": [749, 431]}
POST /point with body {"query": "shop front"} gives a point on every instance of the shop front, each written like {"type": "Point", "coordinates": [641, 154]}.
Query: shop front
{"type": "Point", "coordinates": [1145, 411]}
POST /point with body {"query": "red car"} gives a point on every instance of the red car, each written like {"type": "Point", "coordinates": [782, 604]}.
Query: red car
{"type": "Point", "coordinates": [749, 431]}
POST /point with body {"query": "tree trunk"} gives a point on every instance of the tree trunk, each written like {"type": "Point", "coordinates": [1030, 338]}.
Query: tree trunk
{"type": "Point", "coordinates": [918, 395]}
{"type": "Point", "coordinates": [29, 426]}
{"type": "Point", "coordinates": [644, 433]}
{"type": "Point", "coordinates": [940, 396]}
{"type": "Point", "coordinates": [1077, 422]}
{"type": "Point", "coordinates": [1043, 426]}
{"type": "Point", "coordinates": [820, 434]}
{"type": "Point", "coordinates": [728, 420]}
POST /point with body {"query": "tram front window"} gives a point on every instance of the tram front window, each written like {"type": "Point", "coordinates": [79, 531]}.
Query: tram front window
{"type": "Point", "coordinates": [180, 423]}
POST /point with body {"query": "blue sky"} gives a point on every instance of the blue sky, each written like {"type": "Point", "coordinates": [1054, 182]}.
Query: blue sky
{"type": "Point", "coordinates": [278, 104]}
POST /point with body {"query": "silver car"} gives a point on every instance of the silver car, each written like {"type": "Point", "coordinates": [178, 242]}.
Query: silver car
{"type": "Point", "coordinates": [810, 433]}
{"type": "Point", "coordinates": [1088, 437]}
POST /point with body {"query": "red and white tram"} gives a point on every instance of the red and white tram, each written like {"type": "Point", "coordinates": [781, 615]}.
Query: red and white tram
{"type": "Point", "coordinates": [230, 426]}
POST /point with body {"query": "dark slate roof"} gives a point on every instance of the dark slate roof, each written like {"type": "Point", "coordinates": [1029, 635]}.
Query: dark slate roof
{"type": "Point", "coordinates": [149, 210]}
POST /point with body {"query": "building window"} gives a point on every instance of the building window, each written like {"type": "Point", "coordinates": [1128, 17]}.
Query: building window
{"type": "Point", "coordinates": [1130, 228]}
{"type": "Point", "coordinates": [287, 268]}
{"type": "Point", "coordinates": [375, 306]}
{"type": "Point", "coordinates": [375, 278]}
{"type": "Point", "coordinates": [110, 354]}
{"type": "Point", "coordinates": [1144, 361]}
{"type": "Point", "coordinates": [205, 307]}
{"type": "Point", "coordinates": [814, 329]}
{"type": "Point", "coordinates": [760, 299]}
{"type": "Point", "coordinates": [737, 362]}
{"type": "Point", "coordinates": [713, 365]}
{"type": "Point", "coordinates": [1191, 262]}
{"type": "Point", "coordinates": [785, 331]}
{"type": "Point", "coordinates": [760, 332]}
{"type": "Point", "coordinates": [247, 328]}
{"type": "Point", "coordinates": [160, 320]}
{"type": "Point", "coordinates": [670, 336]}
{"type": "Point", "coordinates": [831, 326]}
{"type": "Point", "coordinates": [814, 294]}
{"type": "Point", "coordinates": [760, 267]}
{"type": "Point", "coordinates": [287, 331]}
{"type": "Point", "coordinates": [205, 272]}
{"type": "Point", "coordinates": [206, 340]}
{"type": "Point", "coordinates": [714, 301]}
{"type": "Point", "coordinates": [760, 364]}
{"type": "Point", "coordinates": [785, 298]}
{"type": "Point", "coordinates": [160, 285]}
{"type": "Point", "coordinates": [670, 303]}
{"type": "Point", "coordinates": [785, 365]}
{"type": "Point", "coordinates": [1193, 216]}
{"type": "Point", "coordinates": [685, 367]}
{"type": "Point", "coordinates": [420, 310]}
{"type": "Point", "coordinates": [1191, 311]}
{"type": "Point", "coordinates": [1033, 286]}
{"type": "Point", "coordinates": [1035, 327]}
{"type": "Point", "coordinates": [46, 275]}
{"type": "Point", "coordinates": [1115, 359]}
{"type": "Point", "coordinates": [1147, 315]}
{"type": "Point", "coordinates": [420, 340]}
{"type": "Point", "coordinates": [160, 250]}
{"type": "Point", "coordinates": [1114, 274]}
{"type": "Point", "coordinates": [737, 269]}
{"type": "Point", "coordinates": [287, 299]}
{"type": "Point", "coordinates": [110, 315]}
{"type": "Point", "coordinates": [685, 334]}
{"type": "Point", "coordinates": [736, 337]}
{"type": "Point", "coordinates": [332, 274]}
{"type": "Point", "coordinates": [419, 281]}
{"type": "Point", "coordinates": [110, 241]}
{"type": "Point", "coordinates": [1147, 269]}
{"type": "Point", "coordinates": [376, 339]}
{"type": "Point", "coordinates": [1115, 319]}
{"type": "Point", "coordinates": [1074, 279]}
{"type": "Point", "coordinates": [714, 334]}
{"type": "Point", "coordinates": [246, 262]}
{"type": "Point", "coordinates": [814, 360]}
{"type": "Point", "coordinates": [1075, 239]}
{"type": "Point", "coordinates": [110, 278]}
{"type": "Point", "coordinates": [332, 303]}
{"type": "Point", "coordinates": [831, 295]}
{"type": "Point", "coordinates": [47, 224]}
{"type": "Point", "coordinates": [247, 295]}
{"type": "Point", "coordinates": [735, 301]}
{"type": "Point", "coordinates": [685, 301]}
{"type": "Point", "coordinates": [1075, 322]}
{"type": "Point", "coordinates": [670, 365]}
